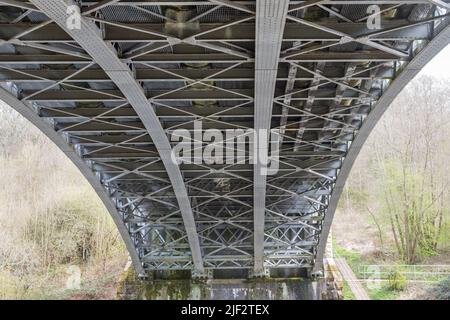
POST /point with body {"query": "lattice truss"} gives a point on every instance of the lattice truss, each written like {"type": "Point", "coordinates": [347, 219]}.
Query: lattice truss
{"type": "Point", "coordinates": [320, 72]}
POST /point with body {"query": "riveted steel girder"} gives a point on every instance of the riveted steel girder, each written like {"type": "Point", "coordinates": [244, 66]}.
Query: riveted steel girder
{"type": "Point", "coordinates": [270, 22]}
{"type": "Point", "coordinates": [89, 37]}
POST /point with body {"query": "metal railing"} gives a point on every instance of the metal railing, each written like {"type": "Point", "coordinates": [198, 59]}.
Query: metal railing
{"type": "Point", "coordinates": [418, 273]}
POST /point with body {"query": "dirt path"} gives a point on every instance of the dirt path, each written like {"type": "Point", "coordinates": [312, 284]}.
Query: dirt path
{"type": "Point", "coordinates": [349, 276]}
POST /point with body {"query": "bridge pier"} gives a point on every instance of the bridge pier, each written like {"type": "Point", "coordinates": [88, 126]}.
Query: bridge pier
{"type": "Point", "coordinates": [280, 284]}
{"type": "Point", "coordinates": [179, 286]}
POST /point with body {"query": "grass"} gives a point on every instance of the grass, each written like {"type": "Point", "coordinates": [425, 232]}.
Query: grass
{"type": "Point", "coordinates": [383, 293]}
{"type": "Point", "coordinates": [348, 293]}
{"type": "Point", "coordinates": [355, 259]}
{"type": "Point", "coordinates": [386, 290]}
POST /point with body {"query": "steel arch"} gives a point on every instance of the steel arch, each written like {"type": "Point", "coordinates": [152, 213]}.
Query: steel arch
{"type": "Point", "coordinates": [141, 69]}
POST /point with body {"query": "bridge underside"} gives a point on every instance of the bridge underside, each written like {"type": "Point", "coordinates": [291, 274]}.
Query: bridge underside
{"type": "Point", "coordinates": [117, 87]}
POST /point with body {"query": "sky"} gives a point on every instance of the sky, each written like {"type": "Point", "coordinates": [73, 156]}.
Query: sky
{"type": "Point", "coordinates": [439, 66]}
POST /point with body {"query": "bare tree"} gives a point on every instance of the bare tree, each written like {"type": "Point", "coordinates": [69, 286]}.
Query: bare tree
{"type": "Point", "coordinates": [406, 161]}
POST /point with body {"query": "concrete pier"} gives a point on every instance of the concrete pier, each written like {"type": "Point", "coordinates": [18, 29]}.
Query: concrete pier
{"type": "Point", "coordinates": [177, 288]}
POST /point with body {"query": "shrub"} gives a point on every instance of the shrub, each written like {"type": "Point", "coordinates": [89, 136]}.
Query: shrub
{"type": "Point", "coordinates": [442, 290]}
{"type": "Point", "coordinates": [397, 281]}
{"type": "Point", "coordinates": [73, 231]}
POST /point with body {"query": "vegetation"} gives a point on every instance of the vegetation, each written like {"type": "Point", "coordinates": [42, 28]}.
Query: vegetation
{"type": "Point", "coordinates": [440, 291]}
{"type": "Point", "coordinates": [52, 224]}
{"type": "Point", "coordinates": [397, 281]}
{"type": "Point", "coordinates": [380, 291]}
{"type": "Point", "coordinates": [383, 293]}
{"type": "Point", "coordinates": [406, 161]}
{"type": "Point", "coordinates": [404, 210]}
{"type": "Point", "coordinates": [348, 294]}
